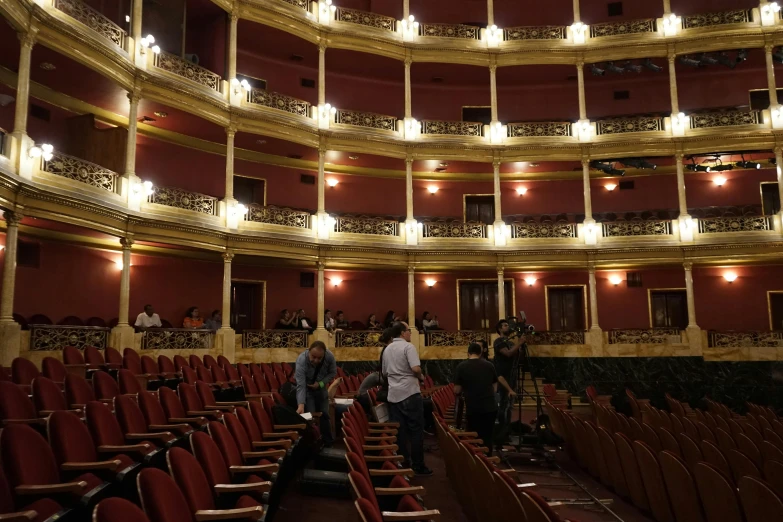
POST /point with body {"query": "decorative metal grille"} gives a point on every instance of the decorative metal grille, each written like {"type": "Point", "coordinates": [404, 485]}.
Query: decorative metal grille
{"type": "Point", "coordinates": [620, 28]}
{"type": "Point", "coordinates": [367, 119]}
{"type": "Point", "coordinates": [541, 32]}
{"type": "Point", "coordinates": [366, 225]}
{"type": "Point", "coordinates": [555, 338]}
{"type": "Point", "coordinates": [92, 19]}
{"type": "Point", "coordinates": [80, 170]}
{"type": "Point", "coordinates": [468, 32]}
{"type": "Point", "coordinates": [746, 339]}
{"type": "Point", "coordinates": [178, 198]}
{"type": "Point", "coordinates": [637, 228]}
{"type": "Point", "coordinates": [452, 128]}
{"type": "Point", "coordinates": [721, 18]}
{"type": "Point", "coordinates": [645, 336]}
{"type": "Point", "coordinates": [286, 217]}
{"type": "Point", "coordinates": [278, 101]}
{"type": "Point", "coordinates": [542, 230]}
{"type": "Point", "coordinates": [724, 119]}
{"type": "Point", "coordinates": [354, 16]}
{"type": "Point", "coordinates": [188, 70]}
{"type": "Point", "coordinates": [252, 339]}
{"type": "Point", "coordinates": [626, 125]}
{"type": "Point", "coordinates": [454, 229]}
{"type": "Point", "coordinates": [539, 129]}
{"type": "Point", "coordinates": [177, 339]}
{"type": "Point", "coordinates": [735, 224]}
{"type": "Point", "coordinates": [357, 338]}
{"type": "Point", "coordinates": [302, 4]}
{"type": "Point", "coordinates": [455, 338]}
{"type": "Point", "coordinates": [50, 337]}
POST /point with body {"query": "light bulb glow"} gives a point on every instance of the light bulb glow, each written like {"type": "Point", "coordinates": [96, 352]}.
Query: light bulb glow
{"type": "Point", "coordinates": [610, 186]}
{"type": "Point", "coordinates": [35, 152]}
{"type": "Point", "coordinates": [730, 277]}
{"type": "Point", "coordinates": [720, 181]}
{"type": "Point", "coordinates": [521, 191]}
{"type": "Point", "coordinates": [432, 189]}
{"type": "Point", "coordinates": [332, 182]}
{"type": "Point", "coordinates": [430, 282]}
{"type": "Point", "coordinates": [156, 49]}
{"type": "Point", "coordinates": [336, 281]}
{"type": "Point", "coordinates": [119, 264]}
{"type": "Point", "coordinates": [530, 281]}
{"type": "Point", "coordinates": [615, 280]}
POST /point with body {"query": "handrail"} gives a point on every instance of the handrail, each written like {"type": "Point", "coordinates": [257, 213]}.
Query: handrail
{"type": "Point", "coordinates": [44, 337]}
{"type": "Point", "coordinates": [177, 339]}
{"type": "Point", "coordinates": [757, 339]}
{"type": "Point", "coordinates": [254, 339]}
{"type": "Point", "coordinates": [645, 335]}
{"type": "Point", "coordinates": [81, 170]}
{"type": "Point", "coordinates": [179, 198]}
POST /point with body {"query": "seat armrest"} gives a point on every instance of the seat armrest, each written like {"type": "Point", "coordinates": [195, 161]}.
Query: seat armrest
{"type": "Point", "coordinates": [126, 448]}
{"type": "Point", "coordinates": [413, 490]}
{"type": "Point", "coordinates": [46, 413]}
{"type": "Point", "coordinates": [384, 458]}
{"type": "Point", "coordinates": [253, 487]}
{"type": "Point", "coordinates": [257, 468]}
{"type": "Point", "coordinates": [168, 427]}
{"type": "Point", "coordinates": [493, 460]}
{"type": "Point", "coordinates": [404, 472]}
{"type": "Point", "coordinates": [381, 439]}
{"type": "Point", "coordinates": [251, 513]}
{"type": "Point", "coordinates": [290, 426]}
{"type": "Point", "coordinates": [469, 434]}
{"type": "Point", "coordinates": [221, 406]}
{"type": "Point", "coordinates": [380, 447]}
{"type": "Point", "coordinates": [263, 454]}
{"type": "Point", "coordinates": [392, 516]}
{"type": "Point", "coordinates": [19, 516]}
{"type": "Point", "coordinates": [52, 489]}
{"type": "Point", "coordinates": [384, 424]}
{"type": "Point", "coordinates": [211, 414]}
{"type": "Point", "coordinates": [473, 441]}
{"type": "Point", "coordinates": [162, 435]}
{"type": "Point", "coordinates": [382, 431]}
{"type": "Point", "coordinates": [281, 435]}
{"type": "Point", "coordinates": [87, 466]}
{"type": "Point", "coordinates": [189, 420]}
{"type": "Point", "coordinates": [272, 444]}
{"type": "Point", "coordinates": [32, 422]}
{"type": "Point", "coordinates": [233, 403]}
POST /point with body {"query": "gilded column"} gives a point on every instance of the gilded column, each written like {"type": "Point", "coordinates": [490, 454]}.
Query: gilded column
{"type": "Point", "coordinates": [230, 133]}
{"type": "Point", "coordinates": [321, 307]}
{"type": "Point", "coordinates": [126, 243]}
{"type": "Point", "coordinates": [493, 90]}
{"type": "Point", "coordinates": [501, 294]}
{"type": "Point", "coordinates": [496, 183]}
{"type": "Point", "coordinates": [12, 220]}
{"type": "Point", "coordinates": [406, 9]}
{"type": "Point", "coordinates": [673, 82]}
{"type": "Point", "coordinates": [130, 145]}
{"type": "Point", "coordinates": [667, 8]}
{"type": "Point", "coordinates": [321, 180]}
{"type": "Point", "coordinates": [576, 11]}
{"type": "Point", "coordinates": [593, 298]}
{"type": "Point", "coordinates": [490, 12]}
{"type": "Point", "coordinates": [411, 297]}
{"type": "Point", "coordinates": [322, 74]}
{"type": "Point", "coordinates": [779, 163]}
{"type": "Point", "coordinates": [23, 82]}
{"type": "Point", "coordinates": [136, 22]}
{"type": "Point", "coordinates": [772, 86]}
{"type": "Point", "coordinates": [586, 183]}
{"type": "Point", "coordinates": [681, 185]}
{"type": "Point", "coordinates": [689, 294]}
{"type": "Point", "coordinates": [580, 81]}
{"type": "Point", "coordinates": [408, 106]}
{"type": "Point", "coordinates": [409, 188]}
{"type": "Point", "coordinates": [226, 312]}
{"type": "Point", "coordinates": [232, 46]}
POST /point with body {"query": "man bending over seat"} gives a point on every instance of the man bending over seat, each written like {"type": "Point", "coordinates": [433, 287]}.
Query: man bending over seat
{"type": "Point", "coordinates": [314, 369]}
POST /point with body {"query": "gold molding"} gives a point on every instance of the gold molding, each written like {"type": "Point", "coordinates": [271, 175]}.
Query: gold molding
{"type": "Point", "coordinates": [649, 299]}
{"type": "Point", "coordinates": [495, 279]}
{"type": "Point", "coordinates": [262, 282]}
{"type": "Point", "coordinates": [465, 205]}
{"type": "Point", "coordinates": [769, 306]}
{"type": "Point", "coordinates": [584, 300]}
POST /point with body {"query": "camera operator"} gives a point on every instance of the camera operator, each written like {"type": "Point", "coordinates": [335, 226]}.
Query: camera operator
{"type": "Point", "coordinates": [506, 348]}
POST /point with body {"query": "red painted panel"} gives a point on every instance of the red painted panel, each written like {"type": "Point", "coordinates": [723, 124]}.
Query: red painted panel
{"type": "Point", "coordinates": [361, 94]}
{"type": "Point", "coordinates": [448, 201]}
{"type": "Point", "coordinates": [206, 37]}
{"type": "Point", "coordinates": [169, 165]}
{"type": "Point", "coordinates": [282, 289]}
{"type": "Point", "coordinates": [283, 188]}
{"type": "Point", "coordinates": [363, 293]}
{"type": "Point", "coordinates": [542, 197]}
{"type": "Point", "coordinates": [649, 193]}
{"type": "Point", "coordinates": [741, 188]}
{"type": "Point", "coordinates": [281, 77]}
{"type": "Point", "coordinates": [363, 195]}
{"type": "Point", "coordinates": [623, 307]}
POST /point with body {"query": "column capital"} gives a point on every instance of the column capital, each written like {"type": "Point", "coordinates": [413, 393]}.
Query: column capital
{"type": "Point", "coordinates": [671, 56]}
{"type": "Point", "coordinates": [13, 217]}
{"type": "Point", "coordinates": [679, 156]}
{"type": "Point", "coordinates": [688, 266]}
{"type": "Point", "coordinates": [134, 96]}
{"type": "Point", "coordinates": [408, 61]}
{"type": "Point", "coordinates": [591, 269]}
{"type": "Point", "coordinates": [580, 63]}
{"type": "Point", "coordinates": [320, 265]}
{"type": "Point", "coordinates": [411, 269]}
{"type": "Point", "coordinates": [322, 47]}
{"type": "Point", "coordinates": [778, 150]}
{"type": "Point", "coordinates": [408, 159]}
{"type": "Point", "coordinates": [493, 67]}
{"type": "Point", "coordinates": [126, 242]}
{"type": "Point", "coordinates": [227, 257]}
{"type": "Point", "coordinates": [768, 46]}
{"type": "Point", "coordinates": [585, 162]}
{"type": "Point", "coordinates": [496, 164]}
{"type": "Point", "coordinates": [28, 38]}
{"type": "Point", "coordinates": [501, 271]}
{"type": "Point", "coordinates": [234, 15]}
{"type": "Point", "coordinates": [231, 130]}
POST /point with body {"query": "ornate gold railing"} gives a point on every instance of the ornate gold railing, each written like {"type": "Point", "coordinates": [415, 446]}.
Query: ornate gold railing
{"type": "Point", "coordinates": [621, 28]}
{"type": "Point", "coordinates": [354, 16]}
{"type": "Point", "coordinates": [724, 119]}
{"type": "Point", "coordinates": [738, 16]}
{"type": "Point", "coordinates": [735, 224]}
{"type": "Point", "coordinates": [188, 70]}
{"type": "Point", "coordinates": [286, 217]}
{"type": "Point", "coordinates": [651, 227]}
{"type": "Point", "coordinates": [626, 125]}
{"type": "Point", "coordinates": [177, 339]}
{"type": "Point", "coordinates": [467, 32]}
{"type": "Point", "coordinates": [366, 119]}
{"type": "Point", "coordinates": [252, 339]}
{"type": "Point", "coordinates": [278, 101]}
{"type": "Point", "coordinates": [452, 128]}
{"type": "Point", "coordinates": [178, 198]}
{"type": "Point", "coordinates": [50, 337]}
{"type": "Point", "coordinates": [366, 225]}
{"type": "Point", "coordinates": [302, 4]}
{"type": "Point", "coordinates": [357, 338]}
{"type": "Point", "coordinates": [745, 339]}
{"type": "Point", "coordinates": [544, 129]}
{"type": "Point", "coordinates": [454, 229]}
{"type": "Point", "coordinates": [555, 338]}
{"type": "Point", "coordinates": [80, 170]}
{"type": "Point", "coordinates": [542, 230]}
{"type": "Point", "coordinates": [541, 32]}
{"type": "Point", "coordinates": [645, 336]}
{"type": "Point", "coordinates": [93, 19]}
{"type": "Point", "coordinates": [455, 338]}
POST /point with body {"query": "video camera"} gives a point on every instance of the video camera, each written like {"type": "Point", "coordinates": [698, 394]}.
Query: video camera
{"type": "Point", "coordinates": [520, 327]}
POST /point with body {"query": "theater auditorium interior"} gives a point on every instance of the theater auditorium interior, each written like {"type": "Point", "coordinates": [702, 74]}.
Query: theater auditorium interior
{"type": "Point", "coordinates": [200, 195]}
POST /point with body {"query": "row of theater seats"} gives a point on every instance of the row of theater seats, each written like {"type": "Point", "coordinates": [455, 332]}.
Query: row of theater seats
{"type": "Point", "coordinates": [684, 465]}
{"type": "Point", "coordinates": [223, 460]}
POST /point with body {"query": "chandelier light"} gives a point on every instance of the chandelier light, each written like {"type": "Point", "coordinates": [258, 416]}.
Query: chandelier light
{"type": "Point", "coordinates": [45, 151]}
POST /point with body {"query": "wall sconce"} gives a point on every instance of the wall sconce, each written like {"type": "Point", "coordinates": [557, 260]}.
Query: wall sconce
{"type": "Point", "coordinates": [497, 132]}
{"type": "Point", "coordinates": [610, 186]}
{"type": "Point", "coordinates": [578, 30]}
{"type": "Point", "coordinates": [238, 86]}
{"type": "Point", "coordinates": [411, 128]}
{"type": "Point", "coordinates": [720, 181]}
{"type": "Point", "coordinates": [521, 191]}
{"type": "Point", "coordinates": [494, 35]}
{"type": "Point", "coordinates": [432, 189]}
{"type": "Point", "coordinates": [326, 11]}
{"type": "Point", "coordinates": [119, 264]}
{"type": "Point", "coordinates": [530, 281]}
{"type": "Point", "coordinates": [615, 280]}
{"type": "Point", "coordinates": [671, 24]}
{"type": "Point", "coordinates": [336, 281]}
{"type": "Point", "coordinates": [45, 151]}
{"type": "Point", "coordinates": [430, 282]}
{"type": "Point", "coordinates": [332, 182]}
{"type": "Point", "coordinates": [237, 210]}
{"type": "Point", "coordinates": [146, 42]}
{"type": "Point", "coordinates": [730, 277]}
{"type": "Point", "coordinates": [144, 188]}
{"type": "Point", "coordinates": [409, 28]}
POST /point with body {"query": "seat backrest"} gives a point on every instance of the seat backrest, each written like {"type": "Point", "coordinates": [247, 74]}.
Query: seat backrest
{"type": "Point", "coordinates": [189, 375]}
{"type": "Point", "coordinates": [14, 403]}
{"type": "Point", "coordinates": [70, 438]}
{"type": "Point", "coordinates": [749, 448]}
{"type": "Point", "coordinates": [171, 404]}
{"type": "Point", "coordinates": [189, 397]}
{"type": "Point", "coordinates": [238, 432]}
{"type": "Point", "coordinates": [668, 442]}
{"type": "Point", "coordinates": [759, 500]}
{"type": "Point", "coordinates": [225, 442]}
{"type": "Point", "coordinates": [718, 496]}
{"type": "Point", "coordinates": [129, 415]}
{"type": "Point", "coordinates": [249, 424]}
{"type": "Point", "coordinates": [72, 355]}
{"type": "Point", "coordinates": [151, 409]}
{"type": "Point", "coordinates": [249, 385]}
{"type": "Point", "coordinates": [132, 362]}
{"type": "Point", "coordinates": [651, 438]}
{"type": "Point", "coordinates": [362, 488]}
{"type": "Point", "coordinates": [195, 361]}
{"type": "Point", "coordinates": [612, 458]}
{"type": "Point", "coordinates": [681, 488]}
{"type": "Point", "coordinates": [357, 463]}
{"type": "Point", "coordinates": [128, 383]}
{"type": "Point", "coordinates": [223, 361]}
{"type": "Point", "coordinates": [105, 386]}
{"type": "Point", "coordinates": [218, 374]}
{"type": "Point", "coordinates": [773, 472]}
{"type": "Point", "coordinates": [166, 365]}
{"type": "Point", "coordinates": [204, 374]}
{"type": "Point", "coordinates": [231, 372]}
{"type": "Point", "coordinates": [112, 356]}
{"type": "Point", "coordinates": [27, 458]}
{"type": "Point", "coordinates": [208, 454]}
{"type": "Point", "coordinates": [104, 428]}
{"type": "Point", "coordinates": [162, 499]}
{"type": "Point", "coordinates": [741, 465]}
{"type": "Point", "coordinates": [23, 371]}
{"type": "Point", "coordinates": [148, 365]}
{"type": "Point", "coordinates": [205, 394]}
{"type": "Point", "coordinates": [367, 511]}
{"type": "Point", "coordinates": [691, 452]}
{"type": "Point", "coordinates": [771, 451]}
{"type": "Point", "coordinates": [180, 362]}
{"type": "Point", "coordinates": [653, 482]}
{"type": "Point", "coordinates": [53, 369]}
{"type": "Point", "coordinates": [187, 473]}
{"type": "Point", "coordinates": [261, 417]}
{"type": "Point", "coordinates": [243, 370]}
{"type": "Point", "coordinates": [47, 395]}
{"type": "Point", "coordinates": [93, 356]}
{"type": "Point", "coordinates": [715, 456]}
{"type": "Point", "coordinates": [724, 440]}
{"type": "Point", "coordinates": [117, 509]}
{"type": "Point", "coordinates": [210, 361]}
{"type": "Point", "coordinates": [77, 390]}
{"type": "Point", "coordinates": [633, 477]}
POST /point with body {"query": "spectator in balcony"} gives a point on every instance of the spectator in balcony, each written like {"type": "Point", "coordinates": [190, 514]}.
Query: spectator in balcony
{"type": "Point", "coordinates": [148, 319]}
{"type": "Point", "coordinates": [329, 322]}
{"type": "Point", "coordinates": [214, 322]}
{"type": "Point", "coordinates": [342, 323]}
{"type": "Point", "coordinates": [373, 324]}
{"type": "Point", "coordinates": [429, 322]}
{"type": "Point", "coordinates": [286, 321]}
{"type": "Point", "coordinates": [314, 368]}
{"type": "Point", "coordinates": [477, 382]}
{"type": "Point", "coordinates": [192, 318]}
{"type": "Point", "coordinates": [389, 320]}
{"type": "Point", "coordinates": [303, 323]}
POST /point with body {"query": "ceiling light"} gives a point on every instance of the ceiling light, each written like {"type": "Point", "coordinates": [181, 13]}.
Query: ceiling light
{"type": "Point", "coordinates": [708, 60]}
{"type": "Point", "coordinates": [719, 180]}
{"type": "Point", "coordinates": [432, 189]}
{"type": "Point", "coordinates": [720, 167]}
{"type": "Point", "coordinates": [748, 164]}
{"type": "Point", "coordinates": [443, 165]}
{"type": "Point", "coordinates": [730, 277]}
{"type": "Point", "coordinates": [610, 187]}
{"type": "Point", "coordinates": [597, 71]}
{"type": "Point", "coordinates": [650, 65]}
{"type": "Point", "coordinates": [607, 168]}
{"type": "Point", "coordinates": [530, 281]}
{"type": "Point", "coordinates": [533, 165]}
{"type": "Point", "coordinates": [638, 163]}
{"type": "Point", "coordinates": [336, 281]}
{"type": "Point", "coordinates": [690, 62]}
{"type": "Point", "coordinates": [332, 182]}
{"type": "Point", "coordinates": [521, 191]}
{"type": "Point", "coordinates": [611, 67]}
{"type": "Point", "coordinates": [631, 67]}
{"type": "Point", "coordinates": [430, 282]}
{"type": "Point", "coordinates": [615, 279]}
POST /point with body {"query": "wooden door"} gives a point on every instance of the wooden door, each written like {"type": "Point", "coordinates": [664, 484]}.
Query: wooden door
{"type": "Point", "coordinates": [776, 309]}
{"type": "Point", "coordinates": [480, 209]}
{"type": "Point", "coordinates": [479, 304]}
{"type": "Point", "coordinates": [770, 198]}
{"type": "Point", "coordinates": [249, 190]}
{"type": "Point", "coordinates": [246, 306]}
{"type": "Point", "coordinates": [669, 309]}
{"type": "Point", "coordinates": [566, 308]}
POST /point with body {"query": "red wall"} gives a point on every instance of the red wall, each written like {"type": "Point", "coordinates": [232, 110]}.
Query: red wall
{"type": "Point", "coordinates": [437, 102]}
{"type": "Point", "coordinates": [206, 36]}
{"type": "Point", "coordinates": [448, 201]}
{"type": "Point", "coordinates": [362, 94]}
{"type": "Point", "coordinates": [282, 290]}
{"type": "Point", "coordinates": [283, 188]}
{"type": "Point", "coordinates": [363, 293]}
{"type": "Point", "coordinates": [553, 102]}
{"type": "Point", "coordinates": [282, 77]}
{"type": "Point", "coordinates": [363, 195]}
{"type": "Point", "coordinates": [623, 307]}
{"type": "Point", "coordinates": [169, 165]}
{"type": "Point", "coordinates": [741, 187]}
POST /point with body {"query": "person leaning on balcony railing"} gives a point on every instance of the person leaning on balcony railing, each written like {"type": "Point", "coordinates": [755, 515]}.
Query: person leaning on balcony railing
{"type": "Point", "coordinates": [147, 319]}
{"type": "Point", "coordinates": [192, 318]}
{"type": "Point", "coordinates": [287, 321]}
{"type": "Point", "coordinates": [342, 322]}
{"type": "Point", "coordinates": [214, 322]}
{"type": "Point", "coordinates": [373, 324]}
{"type": "Point", "coordinates": [429, 322]}
{"type": "Point", "coordinates": [303, 323]}
{"type": "Point", "coordinates": [329, 323]}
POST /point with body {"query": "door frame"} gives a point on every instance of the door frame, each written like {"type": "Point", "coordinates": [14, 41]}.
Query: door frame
{"type": "Point", "coordinates": [474, 279]}
{"type": "Point", "coordinates": [649, 299]}
{"type": "Point", "coordinates": [265, 185]}
{"type": "Point", "coordinates": [769, 305]}
{"type": "Point", "coordinates": [465, 213]}
{"type": "Point", "coordinates": [584, 301]}
{"type": "Point", "coordinates": [761, 195]}
{"type": "Point", "coordinates": [262, 282]}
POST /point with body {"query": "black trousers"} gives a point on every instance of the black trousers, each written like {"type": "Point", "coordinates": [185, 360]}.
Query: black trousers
{"type": "Point", "coordinates": [483, 423]}
{"type": "Point", "coordinates": [410, 414]}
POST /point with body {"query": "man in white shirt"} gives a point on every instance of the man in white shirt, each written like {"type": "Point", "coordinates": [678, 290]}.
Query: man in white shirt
{"type": "Point", "coordinates": [148, 318]}
{"type": "Point", "coordinates": [402, 370]}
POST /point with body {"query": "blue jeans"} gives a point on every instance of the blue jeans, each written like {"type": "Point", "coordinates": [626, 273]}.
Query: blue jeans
{"type": "Point", "coordinates": [318, 401]}
{"type": "Point", "coordinates": [410, 414]}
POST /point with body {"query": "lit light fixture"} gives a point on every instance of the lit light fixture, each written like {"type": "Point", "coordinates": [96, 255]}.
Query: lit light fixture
{"type": "Point", "coordinates": [144, 188]}
{"type": "Point", "coordinates": [412, 128]}
{"type": "Point", "coordinates": [671, 24]}
{"type": "Point", "coordinates": [148, 42]}
{"type": "Point", "coordinates": [432, 189]}
{"type": "Point", "coordinates": [719, 180]}
{"type": "Point", "coordinates": [497, 132]}
{"type": "Point", "coordinates": [530, 281]}
{"type": "Point", "coordinates": [45, 151]}
{"type": "Point", "coordinates": [615, 279]}
{"type": "Point", "coordinates": [353, 157]}
{"type": "Point", "coordinates": [119, 264]}
{"type": "Point", "coordinates": [430, 282]}
{"type": "Point", "coordinates": [409, 28]}
{"type": "Point", "coordinates": [238, 85]}
{"type": "Point", "coordinates": [327, 110]}
{"type": "Point", "coordinates": [578, 30]}
{"type": "Point", "coordinates": [521, 191]}
{"type": "Point", "coordinates": [494, 35]}
{"type": "Point", "coordinates": [730, 277]}
{"type": "Point", "coordinates": [238, 210]}
{"type": "Point", "coordinates": [772, 7]}
{"type": "Point", "coordinates": [332, 182]}
{"type": "Point", "coordinates": [336, 281]}
{"type": "Point", "coordinates": [127, 18]}
{"type": "Point", "coordinates": [610, 186]}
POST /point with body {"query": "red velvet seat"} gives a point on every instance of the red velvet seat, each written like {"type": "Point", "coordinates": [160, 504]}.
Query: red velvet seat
{"type": "Point", "coordinates": [149, 366]}
{"type": "Point", "coordinates": [106, 388]}
{"type": "Point", "coordinates": [131, 361]}
{"type": "Point", "coordinates": [180, 362]}
{"type": "Point", "coordinates": [78, 391]}
{"type": "Point", "coordinates": [118, 510]}
{"type": "Point", "coordinates": [219, 375]}
{"type": "Point", "coordinates": [718, 495]}
{"type": "Point", "coordinates": [681, 488]}
{"type": "Point", "coordinates": [38, 511]}
{"type": "Point", "coordinates": [538, 508]}
{"type": "Point", "coordinates": [189, 375]}
{"type": "Point", "coordinates": [128, 383]}
{"type": "Point", "coordinates": [244, 370]}
{"type": "Point", "coordinates": [233, 456]}
{"type": "Point", "coordinates": [259, 379]}
{"type": "Point", "coordinates": [215, 468]}
{"type": "Point", "coordinates": [23, 372]}
{"type": "Point", "coordinates": [166, 367]}
{"type": "Point", "coordinates": [210, 361]}
{"type": "Point", "coordinates": [155, 415]}
{"type": "Point", "coordinates": [192, 402]}
{"type": "Point", "coordinates": [108, 436]}
{"type": "Point", "coordinates": [653, 482]}
{"type": "Point", "coordinates": [741, 465]}
{"type": "Point", "coordinates": [53, 369]}
{"type": "Point", "coordinates": [16, 406]}
{"type": "Point", "coordinates": [255, 434]}
{"type": "Point", "coordinates": [633, 478]}
{"type": "Point", "coordinates": [195, 361]}
{"type": "Point", "coordinates": [208, 401]}
{"type": "Point", "coordinates": [613, 464]}
{"type": "Point", "coordinates": [269, 430]}
{"type": "Point", "coordinates": [773, 473]}
{"type": "Point", "coordinates": [204, 375]}
{"type": "Point", "coordinates": [134, 425]}
{"type": "Point", "coordinates": [47, 396]}
{"type": "Point", "coordinates": [715, 456]}
{"type": "Point", "coordinates": [113, 357]}
{"type": "Point", "coordinates": [271, 379]}
{"type": "Point", "coordinates": [94, 358]}
{"type": "Point", "coordinates": [244, 443]}
{"type": "Point", "coordinates": [72, 355]}
{"type": "Point", "coordinates": [406, 503]}
{"type": "Point", "coordinates": [175, 411]}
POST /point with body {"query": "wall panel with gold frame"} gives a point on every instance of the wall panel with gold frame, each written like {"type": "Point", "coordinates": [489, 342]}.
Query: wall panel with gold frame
{"type": "Point", "coordinates": [584, 300]}
{"type": "Point", "coordinates": [480, 279]}
{"type": "Point", "coordinates": [649, 299]}
{"type": "Point", "coordinates": [263, 296]}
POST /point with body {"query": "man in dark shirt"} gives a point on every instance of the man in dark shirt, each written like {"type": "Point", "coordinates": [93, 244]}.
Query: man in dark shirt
{"type": "Point", "coordinates": [506, 354]}
{"type": "Point", "coordinates": [477, 381]}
